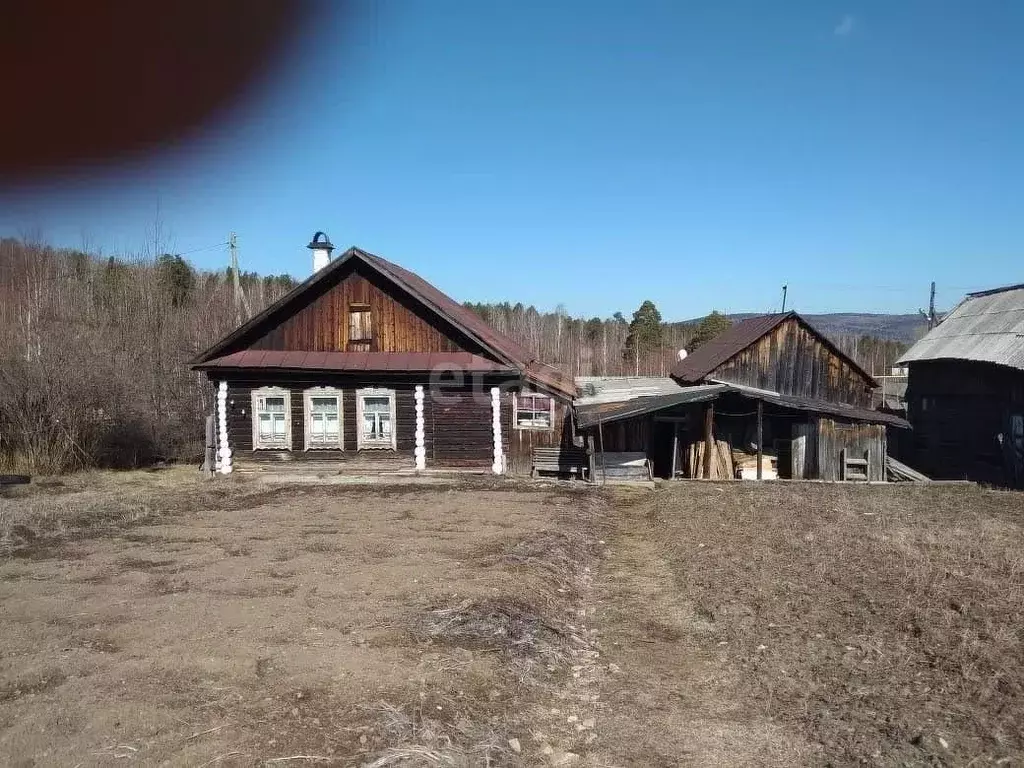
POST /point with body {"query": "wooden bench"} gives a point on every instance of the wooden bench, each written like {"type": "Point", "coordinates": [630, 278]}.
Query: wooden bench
{"type": "Point", "coordinates": [562, 461]}
{"type": "Point", "coordinates": [630, 465]}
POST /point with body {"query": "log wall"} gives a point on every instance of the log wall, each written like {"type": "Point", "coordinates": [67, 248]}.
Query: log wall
{"type": "Point", "coordinates": [457, 424]}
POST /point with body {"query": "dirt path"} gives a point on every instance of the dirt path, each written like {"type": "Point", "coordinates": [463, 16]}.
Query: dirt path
{"type": "Point", "coordinates": [668, 694]}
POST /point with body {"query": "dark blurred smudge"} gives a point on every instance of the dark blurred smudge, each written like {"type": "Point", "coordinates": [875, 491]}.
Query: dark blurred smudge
{"type": "Point", "coordinates": [98, 81]}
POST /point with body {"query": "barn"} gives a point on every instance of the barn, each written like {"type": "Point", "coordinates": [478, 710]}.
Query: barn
{"type": "Point", "coordinates": [366, 366]}
{"type": "Point", "coordinates": [965, 392]}
{"type": "Point", "coordinates": [769, 397]}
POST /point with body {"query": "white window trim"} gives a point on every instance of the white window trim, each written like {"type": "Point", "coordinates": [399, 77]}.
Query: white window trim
{"type": "Point", "coordinates": [307, 410]}
{"type": "Point", "coordinates": [361, 443]}
{"type": "Point", "coordinates": [533, 428]}
{"type": "Point", "coordinates": [272, 392]}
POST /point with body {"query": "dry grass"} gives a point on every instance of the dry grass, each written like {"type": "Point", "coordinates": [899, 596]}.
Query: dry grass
{"type": "Point", "coordinates": [159, 618]}
{"type": "Point", "coordinates": [155, 617]}
{"type": "Point", "coordinates": [881, 625]}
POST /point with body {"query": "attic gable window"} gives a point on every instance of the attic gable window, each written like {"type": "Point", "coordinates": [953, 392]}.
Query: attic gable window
{"type": "Point", "coordinates": [271, 425]}
{"type": "Point", "coordinates": [360, 325]}
{"type": "Point", "coordinates": [533, 411]}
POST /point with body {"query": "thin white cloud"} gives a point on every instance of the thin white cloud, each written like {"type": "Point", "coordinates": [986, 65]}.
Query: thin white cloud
{"type": "Point", "coordinates": [845, 26]}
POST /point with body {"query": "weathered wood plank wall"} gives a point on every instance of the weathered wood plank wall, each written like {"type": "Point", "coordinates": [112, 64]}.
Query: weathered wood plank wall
{"type": "Point", "coordinates": [398, 323]}
{"type": "Point", "coordinates": [793, 361]}
{"type": "Point", "coordinates": [958, 410]}
{"type": "Point", "coordinates": [859, 440]}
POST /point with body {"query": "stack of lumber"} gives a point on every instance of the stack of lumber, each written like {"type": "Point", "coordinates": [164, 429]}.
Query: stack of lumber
{"type": "Point", "coordinates": [722, 467]}
{"type": "Point", "coordinates": [898, 472]}
{"type": "Point", "coordinates": [746, 466]}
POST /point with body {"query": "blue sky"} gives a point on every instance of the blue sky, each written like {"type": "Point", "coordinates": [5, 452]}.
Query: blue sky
{"type": "Point", "coordinates": [597, 154]}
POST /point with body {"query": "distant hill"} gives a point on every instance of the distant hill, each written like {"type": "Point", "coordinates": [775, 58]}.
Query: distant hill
{"type": "Point", "coordinates": [905, 328]}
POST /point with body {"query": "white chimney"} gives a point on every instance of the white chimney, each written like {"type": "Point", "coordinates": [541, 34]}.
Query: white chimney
{"type": "Point", "coordinates": [321, 247]}
{"type": "Point", "coordinates": [682, 355]}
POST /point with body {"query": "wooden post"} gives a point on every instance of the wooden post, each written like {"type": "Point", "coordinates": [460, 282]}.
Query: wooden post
{"type": "Point", "coordinates": [600, 437]}
{"type": "Point", "coordinates": [709, 437]}
{"type": "Point", "coordinates": [210, 449]}
{"type": "Point", "coordinates": [591, 459]}
{"type": "Point", "coordinates": [675, 448]}
{"type": "Point", "coordinates": [760, 436]}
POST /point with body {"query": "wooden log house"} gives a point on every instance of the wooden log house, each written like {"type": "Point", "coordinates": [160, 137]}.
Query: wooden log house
{"type": "Point", "coordinates": [366, 366]}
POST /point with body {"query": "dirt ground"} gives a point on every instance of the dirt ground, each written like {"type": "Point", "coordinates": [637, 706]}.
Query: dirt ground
{"type": "Point", "coordinates": [153, 618]}
{"type": "Point", "coordinates": [815, 624]}
{"type": "Point", "coordinates": [161, 619]}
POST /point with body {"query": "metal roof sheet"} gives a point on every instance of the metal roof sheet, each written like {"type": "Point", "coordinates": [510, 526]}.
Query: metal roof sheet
{"type": "Point", "coordinates": [985, 327]}
{"type": "Point", "coordinates": [356, 361]}
{"type": "Point", "coordinates": [590, 415]}
{"type": "Point", "coordinates": [618, 389]}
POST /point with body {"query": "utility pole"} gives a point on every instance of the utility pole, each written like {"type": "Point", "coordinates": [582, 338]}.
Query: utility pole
{"type": "Point", "coordinates": [233, 246]}
{"type": "Point", "coordinates": [242, 309]}
{"type": "Point", "coordinates": [930, 316]}
{"type": "Point", "coordinates": [784, 289]}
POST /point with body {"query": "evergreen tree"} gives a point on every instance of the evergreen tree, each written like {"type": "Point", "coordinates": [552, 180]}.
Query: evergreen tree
{"type": "Point", "coordinates": [644, 337]}
{"type": "Point", "coordinates": [708, 328]}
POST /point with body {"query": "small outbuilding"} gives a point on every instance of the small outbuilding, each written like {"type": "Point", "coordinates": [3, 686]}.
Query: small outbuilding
{"type": "Point", "coordinates": [770, 397]}
{"type": "Point", "coordinates": [965, 392]}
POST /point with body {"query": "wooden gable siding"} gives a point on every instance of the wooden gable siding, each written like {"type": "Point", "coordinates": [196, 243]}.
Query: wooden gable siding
{"type": "Point", "coordinates": [793, 360]}
{"type": "Point", "coordinates": [399, 324]}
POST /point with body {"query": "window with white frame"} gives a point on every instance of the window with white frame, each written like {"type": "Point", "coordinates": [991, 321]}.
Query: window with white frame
{"type": "Point", "coordinates": [375, 413]}
{"type": "Point", "coordinates": [271, 425]}
{"type": "Point", "coordinates": [533, 411]}
{"type": "Point", "coordinates": [323, 418]}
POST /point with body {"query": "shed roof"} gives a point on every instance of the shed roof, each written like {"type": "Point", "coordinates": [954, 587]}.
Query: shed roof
{"type": "Point", "coordinates": [617, 389]}
{"type": "Point", "coordinates": [590, 415]}
{"type": "Point", "coordinates": [987, 326]}
{"type": "Point", "coordinates": [704, 360]}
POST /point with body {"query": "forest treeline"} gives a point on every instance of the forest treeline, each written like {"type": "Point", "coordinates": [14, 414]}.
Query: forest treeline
{"type": "Point", "coordinates": [94, 351]}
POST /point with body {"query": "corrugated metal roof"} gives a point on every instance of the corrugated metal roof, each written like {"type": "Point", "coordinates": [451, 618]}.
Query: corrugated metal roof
{"type": "Point", "coordinates": [618, 389]}
{"type": "Point", "coordinates": [356, 361]}
{"type": "Point", "coordinates": [985, 327]}
{"type": "Point", "coordinates": [590, 415]}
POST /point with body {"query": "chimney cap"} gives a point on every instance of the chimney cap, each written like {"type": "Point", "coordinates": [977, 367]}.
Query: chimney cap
{"type": "Point", "coordinates": [316, 243]}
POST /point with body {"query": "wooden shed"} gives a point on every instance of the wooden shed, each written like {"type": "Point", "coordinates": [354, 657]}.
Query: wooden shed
{"type": "Point", "coordinates": [965, 393]}
{"type": "Point", "coordinates": [366, 366]}
{"type": "Point", "coordinates": [769, 397]}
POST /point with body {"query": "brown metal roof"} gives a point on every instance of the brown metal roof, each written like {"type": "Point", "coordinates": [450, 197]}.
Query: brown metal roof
{"type": "Point", "coordinates": [707, 358]}
{"type": "Point", "coordinates": [464, 319]}
{"type": "Point", "coordinates": [356, 361]}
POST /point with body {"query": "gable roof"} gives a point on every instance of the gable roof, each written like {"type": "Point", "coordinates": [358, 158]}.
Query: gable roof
{"type": "Point", "coordinates": [462, 318]}
{"type": "Point", "coordinates": [708, 357]}
{"type": "Point", "coordinates": [987, 327]}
